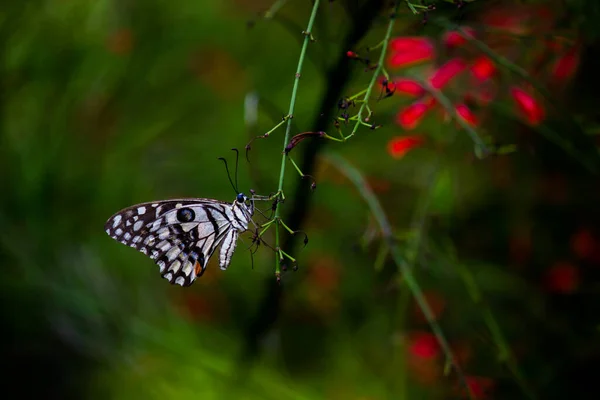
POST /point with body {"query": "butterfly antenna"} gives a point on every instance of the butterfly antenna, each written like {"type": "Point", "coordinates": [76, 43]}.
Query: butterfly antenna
{"type": "Point", "coordinates": [228, 174]}
{"type": "Point", "coordinates": [237, 159]}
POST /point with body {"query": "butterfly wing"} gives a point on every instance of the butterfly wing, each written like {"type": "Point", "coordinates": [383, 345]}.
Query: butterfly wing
{"type": "Point", "coordinates": [179, 235]}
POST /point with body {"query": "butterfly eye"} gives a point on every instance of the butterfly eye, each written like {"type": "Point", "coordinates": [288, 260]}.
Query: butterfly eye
{"type": "Point", "coordinates": [241, 198]}
{"type": "Point", "coordinates": [185, 215]}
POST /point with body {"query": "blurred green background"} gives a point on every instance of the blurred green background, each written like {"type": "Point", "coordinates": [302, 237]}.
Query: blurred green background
{"type": "Point", "coordinates": [110, 103]}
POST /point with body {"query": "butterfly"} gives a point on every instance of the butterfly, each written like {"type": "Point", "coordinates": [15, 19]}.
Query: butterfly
{"type": "Point", "coordinates": [181, 235]}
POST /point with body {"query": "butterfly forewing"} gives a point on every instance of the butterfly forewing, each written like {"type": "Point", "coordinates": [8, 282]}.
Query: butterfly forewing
{"type": "Point", "coordinates": [179, 235]}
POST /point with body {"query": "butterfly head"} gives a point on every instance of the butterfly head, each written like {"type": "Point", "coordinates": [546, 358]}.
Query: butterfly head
{"type": "Point", "coordinates": [241, 198]}
{"type": "Point", "coordinates": [245, 203]}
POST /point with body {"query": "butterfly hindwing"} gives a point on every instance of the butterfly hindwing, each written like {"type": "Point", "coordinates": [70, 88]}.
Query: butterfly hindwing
{"type": "Point", "coordinates": [179, 235]}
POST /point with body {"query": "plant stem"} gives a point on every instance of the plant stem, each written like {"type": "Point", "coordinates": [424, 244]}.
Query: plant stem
{"type": "Point", "coordinates": [357, 179]}
{"type": "Point", "coordinates": [377, 71]}
{"type": "Point", "coordinates": [288, 128]}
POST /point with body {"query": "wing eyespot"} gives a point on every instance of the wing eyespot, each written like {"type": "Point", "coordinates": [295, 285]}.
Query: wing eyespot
{"type": "Point", "coordinates": [185, 215]}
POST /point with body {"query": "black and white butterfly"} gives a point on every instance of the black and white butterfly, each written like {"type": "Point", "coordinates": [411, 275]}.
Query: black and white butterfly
{"type": "Point", "coordinates": [181, 235]}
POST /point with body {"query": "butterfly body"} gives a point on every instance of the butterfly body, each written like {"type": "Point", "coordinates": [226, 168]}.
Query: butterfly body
{"type": "Point", "coordinates": [181, 235]}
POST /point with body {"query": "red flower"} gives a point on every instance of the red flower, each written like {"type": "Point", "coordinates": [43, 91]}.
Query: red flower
{"type": "Point", "coordinates": [453, 39]}
{"type": "Point", "coordinates": [446, 72]}
{"type": "Point", "coordinates": [483, 68]}
{"type": "Point", "coordinates": [408, 86]}
{"type": "Point", "coordinates": [424, 345]}
{"type": "Point", "coordinates": [400, 145]}
{"type": "Point", "coordinates": [566, 65]}
{"type": "Point", "coordinates": [562, 277]}
{"type": "Point", "coordinates": [409, 43]}
{"type": "Point", "coordinates": [532, 110]}
{"type": "Point", "coordinates": [583, 244]}
{"type": "Point", "coordinates": [466, 114]}
{"type": "Point", "coordinates": [410, 117]}
{"type": "Point", "coordinates": [407, 51]}
{"type": "Point", "coordinates": [479, 386]}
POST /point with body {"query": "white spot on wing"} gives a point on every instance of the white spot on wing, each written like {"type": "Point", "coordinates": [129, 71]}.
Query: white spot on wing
{"type": "Point", "coordinates": [119, 232]}
{"type": "Point", "coordinates": [143, 250]}
{"type": "Point", "coordinates": [188, 268]}
{"type": "Point", "coordinates": [137, 239]}
{"type": "Point", "coordinates": [155, 225]}
{"type": "Point", "coordinates": [127, 236]}
{"type": "Point", "coordinates": [108, 231]}
{"type": "Point", "coordinates": [138, 225]}
{"type": "Point", "coordinates": [116, 221]}
{"type": "Point", "coordinates": [169, 276]}
{"type": "Point", "coordinates": [161, 265]}
{"type": "Point", "coordinates": [163, 233]}
{"type": "Point", "coordinates": [175, 265]}
{"type": "Point", "coordinates": [149, 241]}
{"type": "Point", "coordinates": [180, 281]}
{"type": "Point", "coordinates": [155, 205]}
{"type": "Point", "coordinates": [141, 210]}
{"type": "Point", "coordinates": [173, 253]}
{"type": "Point", "coordinates": [164, 245]}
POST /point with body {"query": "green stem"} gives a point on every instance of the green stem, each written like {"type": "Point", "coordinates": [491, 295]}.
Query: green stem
{"type": "Point", "coordinates": [307, 36]}
{"type": "Point", "coordinates": [274, 8]}
{"type": "Point", "coordinates": [283, 121]}
{"type": "Point", "coordinates": [377, 71]}
{"type": "Point", "coordinates": [357, 179]}
{"type": "Point", "coordinates": [505, 355]}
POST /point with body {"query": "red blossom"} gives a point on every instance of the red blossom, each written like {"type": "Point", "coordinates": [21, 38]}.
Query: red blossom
{"type": "Point", "coordinates": [424, 345]}
{"type": "Point", "coordinates": [567, 64]}
{"type": "Point", "coordinates": [479, 386]}
{"type": "Point", "coordinates": [528, 106]}
{"type": "Point", "coordinates": [446, 72]}
{"type": "Point", "coordinates": [453, 39]}
{"type": "Point", "coordinates": [483, 68]}
{"type": "Point", "coordinates": [562, 277]}
{"type": "Point", "coordinates": [466, 114]}
{"type": "Point", "coordinates": [351, 54]}
{"type": "Point", "coordinates": [409, 43]}
{"type": "Point", "coordinates": [410, 117]}
{"type": "Point", "coordinates": [398, 60]}
{"type": "Point", "coordinates": [408, 86]}
{"type": "Point", "coordinates": [510, 19]}
{"type": "Point", "coordinates": [407, 51]}
{"type": "Point", "coordinates": [400, 145]}
{"type": "Point", "coordinates": [583, 244]}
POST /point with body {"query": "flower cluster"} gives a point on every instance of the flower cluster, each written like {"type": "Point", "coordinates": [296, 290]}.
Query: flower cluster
{"type": "Point", "coordinates": [473, 75]}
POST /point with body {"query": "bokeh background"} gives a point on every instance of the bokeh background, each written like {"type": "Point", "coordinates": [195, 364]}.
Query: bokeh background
{"type": "Point", "coordinates": [105, 104]}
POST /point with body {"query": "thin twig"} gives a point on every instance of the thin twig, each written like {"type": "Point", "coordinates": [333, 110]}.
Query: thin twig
{"type": "Point", "coordinates": [378, 68]}
{"type": "Point", "coordinates": [288, 128]}
{"type": "Point", "coordinates": [357, 179]}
